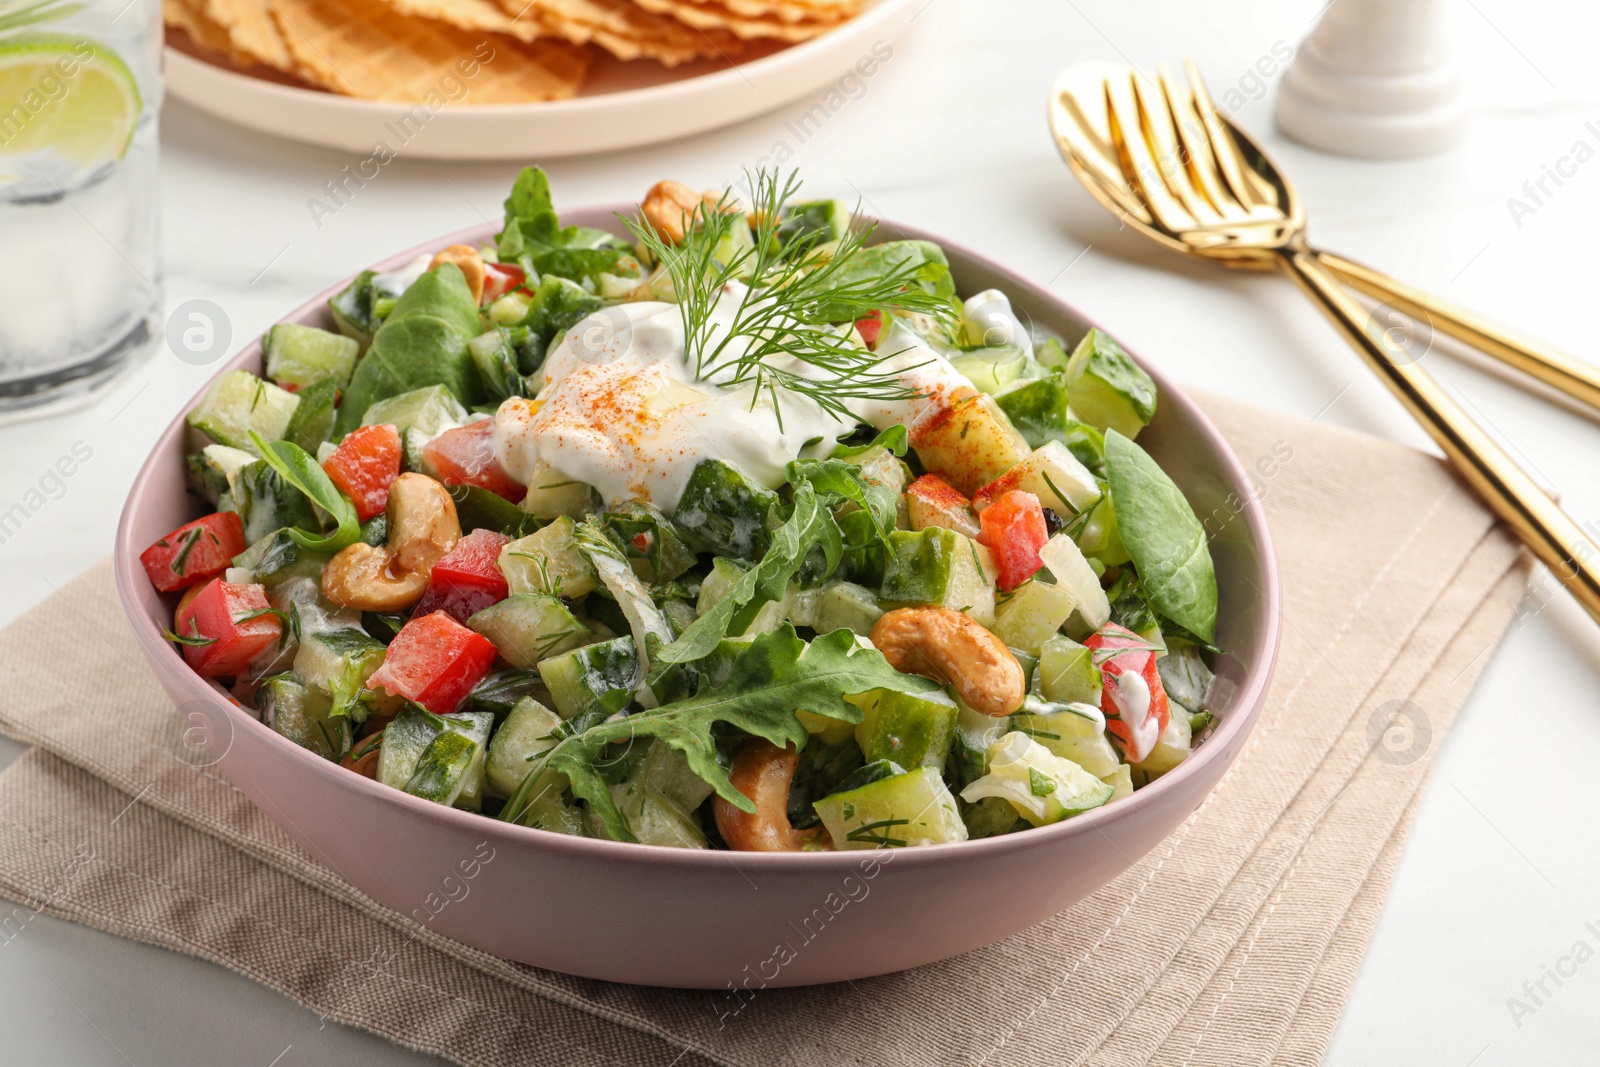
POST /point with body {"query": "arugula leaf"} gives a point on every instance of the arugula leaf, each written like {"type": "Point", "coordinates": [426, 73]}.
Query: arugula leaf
{"type": "Point", "coordinates": [837, 481]}
{"type": "Point", "coordinates": [896, 439]}
{"type": "Point", "coordinates": [809, 524]}
{"type": "Point", "coordinates": [645, 620]}
{"type": "Point", "coordinates": [776, 674]}
{"type": "Point", "coordinates": [1163, 537]}
{"type": "Point", "coordinates": [534, 237]}
{"type": "Point", "coordinates": [297, 468]}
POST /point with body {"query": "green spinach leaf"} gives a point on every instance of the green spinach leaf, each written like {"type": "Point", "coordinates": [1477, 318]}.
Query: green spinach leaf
{"type": "Point", "coordinates": [1163, 537]}
{"type": "Point", "coordinates": [298, 469]}
{"type": "Point", "coordinates": [423, 342]}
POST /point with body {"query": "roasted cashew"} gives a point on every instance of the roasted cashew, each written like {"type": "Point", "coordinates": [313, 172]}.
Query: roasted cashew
{"type": "Point", "coordinates": [763, 772]}
{"type": "Point", "coordinates": [422, 527]}
{"type": "Point", "coordinates": [669, 206]}
{"type": "Point", "coordinates": [471, 263]}
{"type": "Point", "coordinates": [949, 647]}
{"type": "Point", "coordinates": [366, 764]}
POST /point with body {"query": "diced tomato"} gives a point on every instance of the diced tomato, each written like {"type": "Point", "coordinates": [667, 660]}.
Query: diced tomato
{"type": "Point", "coordinates": [465, 456]}
{"type": "Point", "coordinates": [195, 552]}
{"type": "Point", "coordinates": [1134, 700]}
{"type": "Point", "coordinates": [467, 579]}
{"type": "Point", "coordinates": [225, 627]}
{"type": "Point", "coordinates": [364, 465]}
{"type": "Point", "coordinates": [500, 278]}
{"type": "Point", "coordinates": [434, 661]}
{"type": "Point", "coordinates": [870, 327]}
{"type": "Point", "coordinates": [1013, 530]}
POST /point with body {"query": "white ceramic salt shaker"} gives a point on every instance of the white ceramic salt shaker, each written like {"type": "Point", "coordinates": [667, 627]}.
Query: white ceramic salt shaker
{"type": "Point", "coordinates": [1375, 78]}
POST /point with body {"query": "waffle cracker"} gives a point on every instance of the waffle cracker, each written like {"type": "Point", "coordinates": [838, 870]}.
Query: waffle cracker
{"type": "Point", "coordinates": [626, 30]}
{"type": "Point", "coordinates": [796, 10]}
{"type": "Point", "coordinates": [187, 16]}
{"type": "Point", "coordinates": [482, 16]}
{"type": "Point", "coordinates": [366, 48]}
{"type": "Point", "coordinates": [716, 17]}
{"type": "Point", "coordinates": [251, 29]}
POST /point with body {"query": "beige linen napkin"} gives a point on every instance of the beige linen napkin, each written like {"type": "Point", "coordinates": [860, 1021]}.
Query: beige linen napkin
{"type": "Point", "coordinates": [1234, 942]}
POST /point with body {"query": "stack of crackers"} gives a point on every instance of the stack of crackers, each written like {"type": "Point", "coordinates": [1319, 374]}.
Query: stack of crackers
{"type": "Point", "coordinates": [503, 51]}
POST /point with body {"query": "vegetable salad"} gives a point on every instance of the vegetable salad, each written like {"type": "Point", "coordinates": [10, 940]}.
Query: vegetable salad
{"type": "Point", "coordinates": [737, 531]}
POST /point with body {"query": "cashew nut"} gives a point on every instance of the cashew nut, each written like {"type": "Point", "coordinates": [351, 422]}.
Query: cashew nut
{"type": "Point", "coordinates": [471, 263]}
{"type": "Point", "coordinates": [949, 647]}
{"type": "Point", "coordinates": [670, 206]}
{"type": "Point", "coordinates": [763, 772]}
{"type": "Point", "coordinates": [422, 527]}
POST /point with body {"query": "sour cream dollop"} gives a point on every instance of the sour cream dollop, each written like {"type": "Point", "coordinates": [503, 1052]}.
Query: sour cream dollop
{"type": "Point", "coordinates": [623, 410]}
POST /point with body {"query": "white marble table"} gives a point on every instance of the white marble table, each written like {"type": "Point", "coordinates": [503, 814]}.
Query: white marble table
{"type": "Point", "coordinates": [1502, 871]}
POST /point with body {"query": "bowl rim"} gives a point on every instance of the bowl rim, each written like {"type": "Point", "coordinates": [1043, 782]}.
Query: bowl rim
{"type": "Point", "coordinates": [1226, 738]}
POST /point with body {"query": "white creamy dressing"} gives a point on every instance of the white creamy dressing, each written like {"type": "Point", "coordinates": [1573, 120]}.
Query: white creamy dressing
{"type": "Point", "coordinates": [623, 410]}
{"type": "Point", "coordinates": [1133, 707]}
{"type": "Point", "coordinates": [396, 282]}
{"type": "Point", "coordinates": [989, 321]}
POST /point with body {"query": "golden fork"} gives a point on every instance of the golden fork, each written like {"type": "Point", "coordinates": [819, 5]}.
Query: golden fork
{"type": "Point", "coordinates": [1166, 162]}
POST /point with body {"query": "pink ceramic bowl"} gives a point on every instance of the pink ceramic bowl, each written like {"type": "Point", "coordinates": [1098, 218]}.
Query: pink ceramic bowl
{"type": "Point", "coordinates": [673, 917]}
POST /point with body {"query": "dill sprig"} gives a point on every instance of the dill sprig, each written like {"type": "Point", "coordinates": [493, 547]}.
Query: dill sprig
{"type": "Point", "coordinates": [801, 302]}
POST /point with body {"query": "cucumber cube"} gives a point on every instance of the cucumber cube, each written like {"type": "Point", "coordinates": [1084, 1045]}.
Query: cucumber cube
{"type": "Point", "coordinates": [577, 680]}
{"type": "Point", "coordinates": [723, 510]}
{"type": "Point", "coordinates": [716, 585]}
{"type": "Point", "coordinates": [845, 606]}
{"type": "Point", "coordinates": [552, 495]}
{"type": "Point", "coordinates": [524, 734]}
{"type": "Point", "coordinates": [1108, 389]}
{"type": "Point", "coordinates": [1120, 781]}
{"type": "Point", "coordinates": [1172, 748]}
{"type": "Point", "coordinates": [239, 402]}
{"type": "Point", "coordinates": [1043, 787]}
{"type": "Point", "coordinates": [1052, 474]}
{"type": "Point", "coordinates": [1072, 572]}
{"type": "Point", "coordinates": [265, 502]}
{"type": "Point", "coordinates": [300, 355]}
{"type": "Point", "coordinates": [1079, 738]}
{"type": "Point", "coordinates": [941, 567]}
{"type": "Point", "coordinates": [912, 730]}
{"type": "Point", "coordinates": [441, 772]}
{"type": "Point", "coordinates": [931, 501]}
{"type": "Point", "coordinates": [828, 730]}
{"type": "Point", "coordinates": [812, 222]}
{"type": "Point", "coordinates": [410, 737]}
{"type": "Point", "coordinates": [1033, 614]}
{"type": "Point", "coordinates": [1067, 674]}
{"type": "Point", "coordinates": [300, 713]}
{"type": "Point", "coordinates": [548, 561]}
{"type": "Point", "coordinates": [529, 627]}
{"type": "Point", "coordinates": [969, 747]}
{"type": "Point", "coordinates": [430, 410]}
{"type": "Point", "coordinates": [915, 808]}
{"type": "Point", "coordinates": [989, 817]}
{"type": "Point", "coordinates": [968, 440]}
{"type": "Point", "coordinates": [212, 471]}
{"type": "Point", "coordinates": [992, 369]}
{"type": "Point", "coordinates": [339, 662]}
{"type": "Point", "coordinates": [659, 799]}
{"type": "Point", "coordinates": [352, 309]}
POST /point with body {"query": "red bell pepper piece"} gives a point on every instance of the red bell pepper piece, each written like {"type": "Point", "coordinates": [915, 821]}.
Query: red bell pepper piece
{"type": "Point", "coordinates": [467, 579]}
{"type": "Point", "coordinates": [363, 467]}
{"type": "Point", "coordinates": [224, 627]}
{"type": "Point", "coordinates": [500, 278]}
{"type": "Point", "coordinates": [870, 327]}
{"type": "Point", "coordinates": [1013, 530]}
{"type": "Point", "coordinates": [1134, 700]}
{"type": "Point", "coordinates": [194, 553]}
{"type": "Point", "coordinates": [434, 661]}
{"type": "Point", "coordinates": [465, 456]}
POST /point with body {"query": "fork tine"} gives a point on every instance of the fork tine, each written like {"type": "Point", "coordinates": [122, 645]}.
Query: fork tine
{"type": "Point", "coordinates": [1196, 154]}
{"type": "Point", "coordinates": [1166, 213]}
{"type": "Point", "coordinates": [1155, 122]}
{"type": "Point", "coordinates": [1223, 150]}
{"type": "Point", "coordinates": [1090, 163]}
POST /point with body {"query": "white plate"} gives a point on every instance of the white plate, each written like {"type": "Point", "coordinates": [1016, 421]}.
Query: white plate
{"type": "Point", "coordinates": [622, 104]}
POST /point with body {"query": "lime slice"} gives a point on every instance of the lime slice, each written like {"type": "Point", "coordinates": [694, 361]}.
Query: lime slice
{"type": "Point", "coordinates": [66, 95]}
